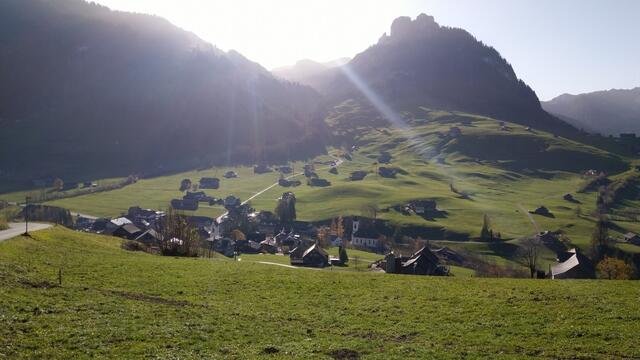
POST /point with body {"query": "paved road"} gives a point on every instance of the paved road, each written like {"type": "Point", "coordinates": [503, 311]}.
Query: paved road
{"type": "Point", "coordinates": [16, 229]}
{"type": "Point", "coordinates": [528, 214]}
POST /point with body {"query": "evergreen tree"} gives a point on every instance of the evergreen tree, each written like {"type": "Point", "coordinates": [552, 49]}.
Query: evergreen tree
{"type": "Point", "coordinates": [344, 258]}
{"type": "Point", "coordinates": [599, 240]}
{"type": "Point", "coordinates": [486, 233]}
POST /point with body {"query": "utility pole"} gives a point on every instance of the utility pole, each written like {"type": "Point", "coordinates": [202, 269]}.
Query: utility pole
{"type": "Point", "coordinates": [26, 215]}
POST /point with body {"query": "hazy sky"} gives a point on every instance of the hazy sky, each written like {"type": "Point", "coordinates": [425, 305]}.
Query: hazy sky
{"type": "Point", "coordinates": [556, 46]}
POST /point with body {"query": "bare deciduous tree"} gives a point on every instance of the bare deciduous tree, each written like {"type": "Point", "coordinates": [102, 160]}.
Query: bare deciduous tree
{"type": "Point", "coordinates": [530, 253]}
{"type": "Point", "coordinates": [177, 236]}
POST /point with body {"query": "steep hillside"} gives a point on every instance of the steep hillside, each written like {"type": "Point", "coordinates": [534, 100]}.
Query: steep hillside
{"type": "Point", "coordinates": [421, 63]}
{"type": "Point", "coordinates": [496, 171]}
{"type": "Point", "coordinates": [119, 304]}
{"type": "Point", "coordinates": [88, 91]}
{"type": "Point", "coordinates": [608, 112]}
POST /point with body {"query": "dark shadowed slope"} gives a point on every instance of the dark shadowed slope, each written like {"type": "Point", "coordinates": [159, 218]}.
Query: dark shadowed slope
{"type": "Point", "coordinates": [86, 90]}
{"type": "Point", "coordinates": [607, 112]}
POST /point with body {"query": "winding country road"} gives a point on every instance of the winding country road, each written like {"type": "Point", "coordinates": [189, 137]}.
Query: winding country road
{"type": "Point", "coordinates": [338, 162]}
{"type": "Point", "coordinates": [16, 229]}
{"type": "Point", "coordinates": [533, 221]}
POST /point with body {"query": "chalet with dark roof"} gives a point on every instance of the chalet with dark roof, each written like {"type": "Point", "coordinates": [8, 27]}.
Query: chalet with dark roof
{"type": "Point", "coordinates": [230, 174]}
{"type": "Point", "coordinates": [573, 265]}
{"type": "Point", "coordinates": [127, 231]}
{"type": "Point", "coordinates": [358, 175]}
{"type": "Point", "coordinates": [209, 183]}
{"type": "Point", "coordinates": [422, 262]}
{"type": "Point", "coordinates": [312, 256]}
{"type": "Point", "coordinates": [184, 204]}
{"type": "Point", "coordinates": [632, 238]}
{"type": "Point", "coordinates": [262, 169]}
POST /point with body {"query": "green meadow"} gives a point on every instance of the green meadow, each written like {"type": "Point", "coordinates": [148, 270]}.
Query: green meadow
{"type": "Point", "coordinates": [118, 304]}
{"type": "Point", "coordinates": [504, 171]}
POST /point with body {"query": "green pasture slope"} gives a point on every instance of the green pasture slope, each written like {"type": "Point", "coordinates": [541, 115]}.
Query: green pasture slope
{"type": "Point", "coordinates": [502, 171]}
{"type": "Point", "coordinates": [505, 171]}
{"type": "Point", "coordinates": [119, 304]}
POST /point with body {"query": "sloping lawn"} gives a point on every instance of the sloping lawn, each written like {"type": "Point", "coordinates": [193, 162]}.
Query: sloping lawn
{"type": "Point", "coordinates": [119, 304]}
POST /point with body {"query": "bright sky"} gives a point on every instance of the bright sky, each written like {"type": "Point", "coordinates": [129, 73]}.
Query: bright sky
{"type": "Point", "coordinates": [556, 46]}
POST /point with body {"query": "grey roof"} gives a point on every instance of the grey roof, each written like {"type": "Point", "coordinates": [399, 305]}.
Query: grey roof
{"type": "Point", "coordinates": [130, 228]}
{"type": "Point", "coordinates": [565, 266]}
{"type": "Point", "coordinates": [120, 221]}
{"type": "Point", "coordinates": [317, 248]}
{"type": "Point", "coordinates": [152, 233]}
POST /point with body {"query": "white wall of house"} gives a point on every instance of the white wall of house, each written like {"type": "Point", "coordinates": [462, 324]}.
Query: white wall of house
{"type": "Point", "coordinates": [365, 242]}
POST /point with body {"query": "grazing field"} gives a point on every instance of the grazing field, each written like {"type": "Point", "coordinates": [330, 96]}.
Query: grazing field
{"type": "Point", "coordinates": [119, 304]}
{"type": "Point", "coordinates": [503, 172]}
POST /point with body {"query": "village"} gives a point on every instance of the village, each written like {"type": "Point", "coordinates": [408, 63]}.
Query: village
{"type": "Point", "coordinates": [244, 230]}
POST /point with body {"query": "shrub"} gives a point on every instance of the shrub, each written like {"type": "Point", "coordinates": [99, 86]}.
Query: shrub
{"type": "Point", "coordinates": [614, 269]}
{"type": "Point", "coordinates": [3, 224]}
{"type": "Point", "coordinates": [132, 245]}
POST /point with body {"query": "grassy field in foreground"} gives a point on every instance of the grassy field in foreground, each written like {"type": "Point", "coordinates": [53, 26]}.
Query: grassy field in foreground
{"type": "Point", "coordinates": [119, 304]}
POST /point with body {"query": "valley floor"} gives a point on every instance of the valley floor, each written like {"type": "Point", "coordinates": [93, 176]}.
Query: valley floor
{"type": "Point", "coordinates": [119, 304]}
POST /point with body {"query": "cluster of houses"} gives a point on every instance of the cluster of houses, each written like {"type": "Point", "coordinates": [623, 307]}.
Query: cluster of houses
{"type": "Point", "coordinates": [138, 224]}
{"type": "Point", "coordinates": [191, 200]}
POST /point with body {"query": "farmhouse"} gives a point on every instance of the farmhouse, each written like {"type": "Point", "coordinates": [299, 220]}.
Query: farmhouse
{"type": "Point", "coordinates": [209, 183]}
{"type": "Point", "coordinates": [358, 175]}
{"type": "Point", "coordinates": [285, 169]}
{"type": "Point", "coordinates": [542, 211]}
{"type": "Point", "coordinates": [127, 231]}
{"type": "Point", "coordinates": [384, 158]}
{"type": "Point", "coordinates": [632, 238]}
{"type": "Point", "coordinates": [288, 183]}
{"type": "Point", "coordinates": [185, 184]}
{"type": "Point", "coordinates": [99, 225]}
{"type": "Point", "coordinates": [269, 245]}
{"type": "Point", "coordinates": [422, 262]}
{"type": "Point", "coordinates": [262, 169]}
{"type": "Point", "coordinates": [231, 202]}
{"type": "Point", "coordinates": [230, 174]}
{"type": "Point", "coordinates": [421, 207]}
{"type": "Point", "coordinates": [365, 236]}
{"type": "Point", "coordinates": [224, 246]}
{"type": "Point", "coordinates": [150, 237]}
{"type": "Point", "coordinates": [572, 265]}
{"type": "Point", "coordinates": [387, 172]}
{"type": "Point", "coordinates": [184, 204]}
{"type": "Point", "coordinates": [318, 182]}
{"type": "Point", "coordinates": [313, 256]}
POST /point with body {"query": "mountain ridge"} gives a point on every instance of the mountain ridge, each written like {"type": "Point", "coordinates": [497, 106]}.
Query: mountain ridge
{"type": "Point", "coordinates": [95, 91]}
{"type": "Point", "coordinates": [421, 63]}
{"type": "Point", "coordinates": [609, 112]}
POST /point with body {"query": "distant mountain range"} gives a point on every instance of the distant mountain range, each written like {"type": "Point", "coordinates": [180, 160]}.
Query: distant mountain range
{"type": "Point", "coordinates": [308, 72]}
{"type": "Point", "coordinates": [86, 91]}
{"type": "Point", "coordinates": [609, 112]}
